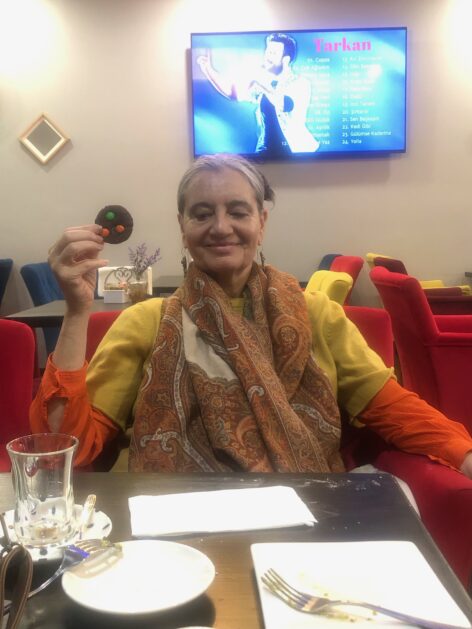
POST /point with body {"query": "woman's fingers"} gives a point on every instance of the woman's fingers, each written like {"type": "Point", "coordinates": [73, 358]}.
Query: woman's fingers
{"type": "Point", "coordinates": [76, 251]}
{"type": "Point", "coordinates": [83, 266]}
{"type": "Point", "coordinates": [75, 245]}
{"type": "Point", "coordinates": [75, 258]}
{"type": "Point", "coordinates": [84, 233]}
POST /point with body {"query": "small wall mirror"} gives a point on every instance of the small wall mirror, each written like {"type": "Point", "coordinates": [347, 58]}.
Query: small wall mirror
{"type": "Point", "coordinates": [43, 139]}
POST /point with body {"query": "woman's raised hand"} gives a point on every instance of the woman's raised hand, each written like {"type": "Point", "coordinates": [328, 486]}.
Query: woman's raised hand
{"type": "Point", "coordinates": [74, 259]}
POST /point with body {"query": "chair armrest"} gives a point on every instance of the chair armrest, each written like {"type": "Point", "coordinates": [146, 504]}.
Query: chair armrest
{"type": "Point", "coordinates": [453, 339]}
{"type": "Point", "coordinates": [447, 291]}
{"type": "Point", "coordinates": [454, 323]}
{"type": "Point", "coordinates": [444, 498]}
{"type": "Point", "coordinates": [461, 304]}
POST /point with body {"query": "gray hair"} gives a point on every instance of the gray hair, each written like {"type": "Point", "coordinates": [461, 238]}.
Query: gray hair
{"type": "Point", "coordinates": [216, 163]}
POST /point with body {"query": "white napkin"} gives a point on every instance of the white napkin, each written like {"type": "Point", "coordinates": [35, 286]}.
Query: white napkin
{"type": "Point", "coordinates": [222, 510]}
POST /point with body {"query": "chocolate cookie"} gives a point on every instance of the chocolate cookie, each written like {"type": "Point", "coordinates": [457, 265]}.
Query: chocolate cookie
{"type": "Point", "coordinates": [116, 222]}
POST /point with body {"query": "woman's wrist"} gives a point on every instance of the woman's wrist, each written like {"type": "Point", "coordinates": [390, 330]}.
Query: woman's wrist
{"type": "Point", "coordinates": [77, 311]}
{"type": "Point", "coordinates": [69, 354]}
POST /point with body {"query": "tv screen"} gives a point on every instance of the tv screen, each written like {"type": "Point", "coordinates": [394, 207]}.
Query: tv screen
{"type": "Point", "coordinates": [299, 94]}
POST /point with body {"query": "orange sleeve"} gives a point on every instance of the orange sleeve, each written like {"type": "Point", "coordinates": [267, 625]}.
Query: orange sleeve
{"type": "Point", "coordinates": [92, 428]}
{"type": "Point", "coordinates": [401, 418]}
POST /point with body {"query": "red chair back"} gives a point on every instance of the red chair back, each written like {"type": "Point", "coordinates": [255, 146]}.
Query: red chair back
{"type": "Point", "coordinates": [98, 325]}
{"type": "Point", "coordinates": [435, 365]}
{"type": "Point", "coordinates": [442, 300]}
{"type": "Point", "coordinates": [393, 265]}
{"type": "Point", "coordinates": [363, 446]}
{"type": "Point", "coordinates": [376, 327]}
{"type": "Point", "coordinates": [348, 264]}
{"type": "Point", "coordinates": [17, 362]}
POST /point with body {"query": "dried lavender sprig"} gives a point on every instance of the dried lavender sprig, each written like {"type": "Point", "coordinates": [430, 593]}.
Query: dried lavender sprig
{"type": "Point", "coordinates": [140, 260]}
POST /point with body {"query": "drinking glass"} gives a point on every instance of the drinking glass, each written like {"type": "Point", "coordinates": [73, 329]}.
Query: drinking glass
{"type": "Point", "coordinates": [44, 498]}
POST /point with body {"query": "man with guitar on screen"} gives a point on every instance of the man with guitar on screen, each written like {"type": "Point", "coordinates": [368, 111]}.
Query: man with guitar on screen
{"type": "Point", "coordinates": [282, 98]}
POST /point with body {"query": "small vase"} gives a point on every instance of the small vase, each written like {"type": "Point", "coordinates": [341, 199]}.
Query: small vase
{"type": "Point", "coordinates": [137, 290]}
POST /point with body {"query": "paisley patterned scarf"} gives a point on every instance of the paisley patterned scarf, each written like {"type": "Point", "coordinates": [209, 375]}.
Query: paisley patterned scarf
{"type": "Point", "coordinates": [225, 392]}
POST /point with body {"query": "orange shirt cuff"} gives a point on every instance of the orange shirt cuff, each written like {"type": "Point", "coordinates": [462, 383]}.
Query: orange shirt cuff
{"type": "Point", "coordinates": [89, 425]}
{"type": "Point", "coordinates": [62, 383]}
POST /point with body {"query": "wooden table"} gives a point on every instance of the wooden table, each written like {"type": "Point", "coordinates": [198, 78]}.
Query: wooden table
{"type": "Point", "coordinates": [165, 285]}
{"type": "Point", "coordinates": [350, 507]}
{"type": "Point", "coordinates": [51, 314]}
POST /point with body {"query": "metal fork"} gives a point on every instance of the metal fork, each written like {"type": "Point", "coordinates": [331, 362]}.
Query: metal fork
{"type": "Point", "coordinates": [311, 604]}
{"type": "Point", "coordinates": [73, 555]}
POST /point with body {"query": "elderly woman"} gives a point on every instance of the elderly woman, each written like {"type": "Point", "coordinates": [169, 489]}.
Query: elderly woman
{"type": "Point", "coordinates": [239, 369]}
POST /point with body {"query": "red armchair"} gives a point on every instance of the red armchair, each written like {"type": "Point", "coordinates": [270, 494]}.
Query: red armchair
{"type": "Point", "coordinates": [435, 360]}
{"type": "Point", "coordinates": [348, 264]}
{"type": "Point", "coordinates": [99, 322]}
{"type": "Point", "coordinates": [392, 264]}
{"type": "Point", "coordinates": [361, 446]}
{"type": "Point", "coordinates": [376, 327]}
{"type": "Point", "coordinates": [442, 299]}
{"type": "Point", "coordinates": [17, 361]}
{"type": "Point", "coordinates": [444, 499]}
{"type": "Point", "coordinates": [443, 495]}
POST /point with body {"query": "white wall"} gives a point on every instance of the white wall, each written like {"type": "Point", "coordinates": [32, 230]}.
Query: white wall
{"type": "Point", "coordinates": [113, 74]}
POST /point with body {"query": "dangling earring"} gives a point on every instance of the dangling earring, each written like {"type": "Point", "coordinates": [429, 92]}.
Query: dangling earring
{"type": "Point", "coordinates": [184, 262]}
{"type": "Point", "coordinates": [262, 257]}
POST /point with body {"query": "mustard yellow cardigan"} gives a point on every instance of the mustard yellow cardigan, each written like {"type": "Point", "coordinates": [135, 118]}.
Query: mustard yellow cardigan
{"type": "Point", "coordinates": [355, 371]}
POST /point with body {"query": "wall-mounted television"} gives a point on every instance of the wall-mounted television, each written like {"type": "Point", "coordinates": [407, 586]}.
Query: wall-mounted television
{"type": "Point", "coordinates": [275, 95]}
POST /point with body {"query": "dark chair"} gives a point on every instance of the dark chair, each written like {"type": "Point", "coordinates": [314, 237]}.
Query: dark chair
{"type": "Point", "coordinates": [17, 360]}
{"type": "Point", "coordinates": [326, 261]}
{"type": "Point", "coordinates": [5, 269]}
{"type": "Point", "coordinates": [43, 288]}
{"type": "Point", "coordinates": [392, 264]}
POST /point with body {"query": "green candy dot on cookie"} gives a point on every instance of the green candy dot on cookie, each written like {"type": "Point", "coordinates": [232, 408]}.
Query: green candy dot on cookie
{"type": "Point", "coordinates": [110, 216]}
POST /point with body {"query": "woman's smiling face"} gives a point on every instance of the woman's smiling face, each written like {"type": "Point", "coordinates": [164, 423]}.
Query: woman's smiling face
{"type": "Point", "coordinates": [222, 226]}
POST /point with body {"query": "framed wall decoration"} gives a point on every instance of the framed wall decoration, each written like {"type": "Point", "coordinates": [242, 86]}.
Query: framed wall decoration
{"type": "Point", "coordinates": [43, 139]}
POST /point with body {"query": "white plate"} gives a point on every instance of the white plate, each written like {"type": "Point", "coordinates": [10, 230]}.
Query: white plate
{"type": "Point", "coordinates": [393, 574]}
{"type": "Point", "coordinates": [99, 527]}
{"type": "Point", "coordinates": [151, 576]}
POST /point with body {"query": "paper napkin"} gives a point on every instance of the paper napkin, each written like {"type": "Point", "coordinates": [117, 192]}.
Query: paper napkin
{"type": "Point", "coordinates": [221, 510]}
